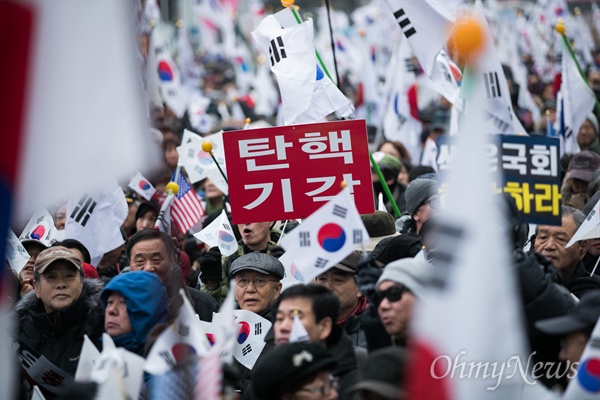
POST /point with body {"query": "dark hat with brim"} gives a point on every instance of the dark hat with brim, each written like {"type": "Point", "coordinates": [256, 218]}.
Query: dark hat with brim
{"type": "Point", "coordinates": [350, 263]}
{"type": "Point", "coordinates": [383, 373]}
{"type": "Point", "coordinates": [582, 318]}
{"type": "Point", "coordinates": [286, 367]}
{"type": "Point", "coordinates": [259, 262]}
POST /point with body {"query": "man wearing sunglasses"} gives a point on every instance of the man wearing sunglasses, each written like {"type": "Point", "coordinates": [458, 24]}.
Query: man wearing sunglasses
{"type": "Point", "coordinates": [399, 287]}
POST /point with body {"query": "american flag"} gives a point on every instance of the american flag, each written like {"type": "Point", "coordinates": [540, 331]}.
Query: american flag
{"type": "Point", "coordinates": [187, 208]}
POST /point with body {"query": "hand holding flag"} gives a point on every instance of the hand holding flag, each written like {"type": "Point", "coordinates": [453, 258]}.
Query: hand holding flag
{"type": "Point", "coordinates": [142, 186]}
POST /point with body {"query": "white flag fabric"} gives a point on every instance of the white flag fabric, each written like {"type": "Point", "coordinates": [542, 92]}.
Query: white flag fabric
{"type": "Point", "coordinates": [117, 370]}
{"type": "Point", "coordinates": [87, 358]}
{"type": "Point", "coordinates": [426, 24]}
{"type": "Point", "coordinates": [16, 255]}
{"type": "Point", "coordinates": [307, 95]}
{"type": "Point", "coordinates": [298, 332]}
{"type": "Point", "coordinates": [289, 276]}
{"type": "Point", "coordinates": [251, 338]}
{"type": "Point", "coordinates": [41, 228]}
{"type": "Point", "coordinates": [575, 102]}
{"type": "Point", "coordinates": [446, 78]}
{"type": "Point", "coordinates": [224, 328]}
{"type": "Point", "coordinates": [183, 338]}
{"type": "Point", "coordinates": [83, 120]}
{"type": "Point", "coordinates": [95, 220]}
{"type": "Point", "coordinates": [219, 233]}
{"type": "Point", "coordinates": [163, 221]}
{"type": "Point", "coordinates": [490, 82]}
{"type": "Point", "coordinates": [326, 237]}
{"type": "Point", "coordinates": [472, 280]}
{"type": "Point", "coordinates": [198, 163]}
{"type": "Point", "coordinates": [169, 79]}
{"type": "Point", "coordinates": [590, 228]}
{"type": "Point", "coordinates": [142, 186]}
{"type": "Point", "coordinates": [37, 393]}
{"type": "Point", "coordinates": [586, 384]}
{"type": "Point", "coordinates": [399, 118]}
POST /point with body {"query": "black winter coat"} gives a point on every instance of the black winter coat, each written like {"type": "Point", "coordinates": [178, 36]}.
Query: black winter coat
{"type": "Point", "coordinates": [59, 336]}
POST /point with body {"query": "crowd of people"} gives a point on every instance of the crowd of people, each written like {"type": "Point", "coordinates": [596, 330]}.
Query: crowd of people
{"type": "Point", "coordinates": [356, 316]}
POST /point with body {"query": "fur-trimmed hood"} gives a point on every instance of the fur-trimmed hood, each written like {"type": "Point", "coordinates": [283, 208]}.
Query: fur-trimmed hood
{"type": "Point", "coordinates": [89, 302]}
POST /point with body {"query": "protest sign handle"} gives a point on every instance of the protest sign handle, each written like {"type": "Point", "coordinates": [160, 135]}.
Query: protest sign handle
{"type": "Point", "coordinates": [321, 63]}
{"type": "Point", "coordinates": [566, 43]}
{"type": "Point", "coordinates": [386, 189]}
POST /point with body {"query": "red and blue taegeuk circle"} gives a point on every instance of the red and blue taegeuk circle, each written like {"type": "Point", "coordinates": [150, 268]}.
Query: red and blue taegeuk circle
{"type": "Point", "coordinates": [588, 375]}
{"type": "Point", "coordinates": [244, 332]}
{"type": "Point", "coordinates": [331, 237]}
{"type": "Point", "coordinates": [144, 184]}
{"type": "Point", "coordinates": [181, 351]}
{"type": "Point", "coordinates": [226, 237]}
{"type": "Point", "coordinates": [165, 72]}
{"type": "Point", "coordinates": [38, 232]}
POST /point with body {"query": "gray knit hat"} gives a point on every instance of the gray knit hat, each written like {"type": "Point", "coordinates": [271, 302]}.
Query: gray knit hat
{"type": "Point", "coordinates": [410, 272]}
{"type": "Point", "coordinates": [417, 192]}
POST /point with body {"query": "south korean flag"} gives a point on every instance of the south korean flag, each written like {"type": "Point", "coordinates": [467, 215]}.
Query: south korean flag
{"type": "Point", "coordinates": [95, 220]}
{"type": "Point", "coordinates": [326, 237]}
{"type": "Point", "coordinates": [251, 337]}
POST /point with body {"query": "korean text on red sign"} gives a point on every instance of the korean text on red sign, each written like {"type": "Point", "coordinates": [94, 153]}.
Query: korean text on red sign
{"type": "Point", "coordinates": [288, 172]}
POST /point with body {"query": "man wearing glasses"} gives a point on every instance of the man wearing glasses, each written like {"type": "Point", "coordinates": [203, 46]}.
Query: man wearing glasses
{"type": "Point", "coordinates": [257, 277]}
{"type": "Point", "coordinates": [318, 308]}
{"type": "Point", "coordinates": [400, 285]}
{"type": "Point", "coordinates": [341, 280]}
{"type": "Point", "coordinates": [421, 203]}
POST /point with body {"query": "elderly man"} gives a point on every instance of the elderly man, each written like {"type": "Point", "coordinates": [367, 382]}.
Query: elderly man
{"type": "Point", "coordinates": [318, 309]}
{"type": "Point", "coordinates": [256, 236]}
{"type": "Point", "coordinates": [551, 242]}
{"type": "Point", "coordinates": [399, 287]}
{"type": "Point", "coordinates": [54, 318]}
{"type": "Point", "coordinates": [341, 280]}
{"type": "Point", "coordinates": [258, 282]}
{"type": "Point", "coordinates": [154, 251]}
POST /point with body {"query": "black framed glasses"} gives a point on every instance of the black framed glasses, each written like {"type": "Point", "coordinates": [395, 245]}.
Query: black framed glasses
{"type": "Point", "coordinates": [325, 389]}
{"type": "Point", "coordinates": [258, 281]}
{"type": "Point", "coordinates": [393, 294]}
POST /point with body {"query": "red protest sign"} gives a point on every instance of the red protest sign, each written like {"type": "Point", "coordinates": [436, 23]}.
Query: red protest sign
{"type": "Point", "coordinates": [287, 172]}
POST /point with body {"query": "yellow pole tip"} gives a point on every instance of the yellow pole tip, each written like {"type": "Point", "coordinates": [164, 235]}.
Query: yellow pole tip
{"type": "Point", "coordinates": [172, 187]}
{"type": "Point", "coordinates": [343, 184]}
{"type": "Point", "coordinates": [560, 26]}
{"type": "Point", "coordinates": [248, 120]}
{"type": "Point", "coordinates": [207, 146]}
{"type": "Point", "coordinates": [287, 3]}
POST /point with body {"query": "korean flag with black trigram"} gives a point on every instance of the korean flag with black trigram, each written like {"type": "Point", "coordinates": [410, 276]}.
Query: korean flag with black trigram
{"type": "Point", "coordinates": [95, 219]}
{"type": "Point", "coordinates": [426, 24]}
{"type": "Point", "coordinates": [307, 94]}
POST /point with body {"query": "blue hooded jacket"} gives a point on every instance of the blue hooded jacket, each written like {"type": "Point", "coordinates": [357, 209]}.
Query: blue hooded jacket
{"type": "Point", "coordinates": [147, 302]}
